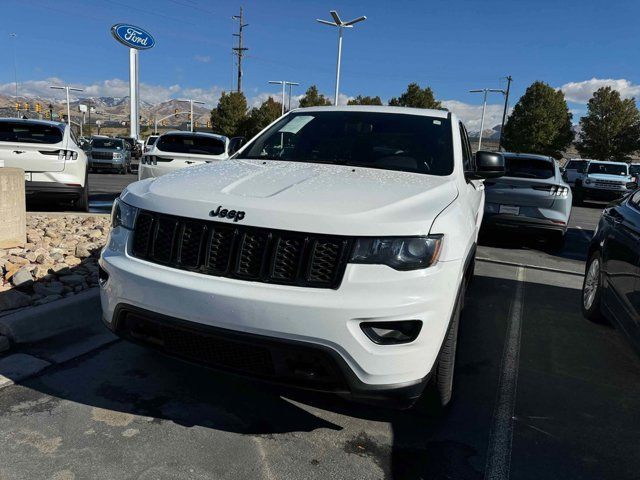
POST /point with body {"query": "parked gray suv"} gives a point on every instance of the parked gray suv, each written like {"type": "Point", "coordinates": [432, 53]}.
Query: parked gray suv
{"type": "Point", "coordinates": [109, 154]}
{"type": "Point", "coordinates": [531, 197]}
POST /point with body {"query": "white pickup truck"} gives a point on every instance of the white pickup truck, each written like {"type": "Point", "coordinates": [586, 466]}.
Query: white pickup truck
{"type": "Point", "coordinates": [331, 252]}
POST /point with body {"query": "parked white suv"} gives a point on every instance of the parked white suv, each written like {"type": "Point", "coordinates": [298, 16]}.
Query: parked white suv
{"type": "Point", "coordinates": [55, 166]}
{"type": "Point", "coordinates": [332, 252]}
{"type": "Point", "coordinates": [175, 150]}
{"type": "Point", "coordinates": [604, 181]}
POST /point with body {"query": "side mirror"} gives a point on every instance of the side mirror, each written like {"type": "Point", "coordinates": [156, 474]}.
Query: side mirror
{"type": "Point", "coordinates": [489, 165]}
{"type": "Point", "coordinates": [235, 144]}
{"type": "Point", "coordinates": [631, 185]}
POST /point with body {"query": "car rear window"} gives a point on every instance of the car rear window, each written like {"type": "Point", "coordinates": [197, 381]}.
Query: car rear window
{"type": "Point", "coordinates": [524, 167]}
{"type": "Point", "coordinates": [608, 168]}
{"type": "Point", "coordinates": [25, 132]}
{"type": "Point", "coordinates": [107, 143]}
{"type": "Point", "coordinates": [195, 144]}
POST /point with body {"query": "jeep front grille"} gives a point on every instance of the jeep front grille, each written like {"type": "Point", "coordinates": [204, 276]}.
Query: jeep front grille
{"type": "Point", "coordinates": [242, 252]}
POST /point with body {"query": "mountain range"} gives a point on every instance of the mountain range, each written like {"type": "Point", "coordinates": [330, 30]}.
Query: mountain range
{"type": "Point", "coordinates": [107, 107]}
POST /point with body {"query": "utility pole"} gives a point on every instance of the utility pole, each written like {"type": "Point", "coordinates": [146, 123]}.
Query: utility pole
{"type": "Point", "coordinates": [239, 50]}
{"type": "Point", "coordinates": [504, 113]}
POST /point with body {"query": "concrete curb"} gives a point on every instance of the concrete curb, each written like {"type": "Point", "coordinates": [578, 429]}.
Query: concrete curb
{"type": "Point", "coordinates": [33, 324]}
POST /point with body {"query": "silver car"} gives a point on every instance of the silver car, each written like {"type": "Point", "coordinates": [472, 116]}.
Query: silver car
{"type": "Point", "coordinates": [530, 197]}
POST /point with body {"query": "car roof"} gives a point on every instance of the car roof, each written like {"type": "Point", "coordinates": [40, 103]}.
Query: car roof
{"type": "Point", "coordinates": [607, 162]}
{"type": "Point", "coordinates": [534, 156]}
{"type": "Point", "coordinates": [378, 109]}
{"type": "Point", "coordinates": [197, 134]}
{"type": "Point", "coordinates": [34, 121]}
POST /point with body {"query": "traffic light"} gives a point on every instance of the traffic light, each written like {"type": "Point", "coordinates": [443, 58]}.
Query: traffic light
{"type": "Point", "coordinates": [61, 114]}
{"type": "Point", "coordinates": [195, 124]}
{"type": "Point", "coordinates": [38, 108]}
{"type": "Point", "coordinates": [163, 123]}
{"type": "Point", "coordinates": [26, 106]}
{"type": "Point", "coordinates": [47, 115]}
{"type": "Point", "coordinates": [175, 112]}
{"type": "Point", "coordinates": [208, 124]}
{"type": "Point", "coordinates": [17, 107]}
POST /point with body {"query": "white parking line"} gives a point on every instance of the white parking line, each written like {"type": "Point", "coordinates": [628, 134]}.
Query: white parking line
{"type": "Point", "coordinates": [501, 434]}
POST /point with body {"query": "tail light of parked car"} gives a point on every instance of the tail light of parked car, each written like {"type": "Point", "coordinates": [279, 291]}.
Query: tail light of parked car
{"type": "Point", "coordinates": [153, 159]}
{"type": "Point", "coordinates": [554, 190]}
{"type": "Point", "coordinates": [67, 155]}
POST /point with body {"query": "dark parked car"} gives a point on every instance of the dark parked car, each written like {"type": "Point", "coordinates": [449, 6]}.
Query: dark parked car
{"type": "Point", "coordinates": [136, 152]}
{"type": "Point", "coordinates": [611, 289]}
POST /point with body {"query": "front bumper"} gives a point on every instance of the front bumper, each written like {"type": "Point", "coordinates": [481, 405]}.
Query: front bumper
{"type": "Point", "coordinates": [602, 193]}
{"type": "Point", "coordinates": [115, 163]}
{"type": "Point", "coordinates": [323, 321]}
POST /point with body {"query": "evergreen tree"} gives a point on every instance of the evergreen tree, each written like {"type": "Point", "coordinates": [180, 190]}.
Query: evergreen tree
{"type": "Point", "coordinates": [540, 122]}
{"type": "Point", "coordinates": [416, 97]}
{"type": "Point", "coordinates": [611, 128]}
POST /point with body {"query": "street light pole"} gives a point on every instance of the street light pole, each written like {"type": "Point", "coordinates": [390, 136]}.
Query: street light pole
{"type": "Point", "coordinates": [340, 24]}
{"type": "Point", "coordinates": [15, 65]}
{"type": "Point", "coordinates": [484, 108]}
{"type": "Point", "coordinates": [284, 83]}
{"type": "Point", "coordinates": [191, 102]}
{"type": "Point", "coordinates": [67, 88]}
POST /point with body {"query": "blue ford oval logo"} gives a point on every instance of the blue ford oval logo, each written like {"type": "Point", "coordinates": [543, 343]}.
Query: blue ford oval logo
{"type": "Point", "coordinates": [132, 36]}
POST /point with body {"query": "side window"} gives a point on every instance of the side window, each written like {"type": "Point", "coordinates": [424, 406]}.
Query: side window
{"type": "Point", "coordinates": [73, 135]}
{"type": "Point", "coordinates": [635, 200]}
{"type": "Point", "coordinates": [467, 158]}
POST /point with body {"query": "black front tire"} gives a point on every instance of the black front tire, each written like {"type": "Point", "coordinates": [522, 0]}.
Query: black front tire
{"type": "Point", "coordinates": [592, 284]}
{"type": "Point", "coordinates": [439, 392]}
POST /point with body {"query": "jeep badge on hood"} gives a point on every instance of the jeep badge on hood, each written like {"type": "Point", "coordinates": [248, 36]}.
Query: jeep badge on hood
{"type": "Point", "coordinates": [236, 215]}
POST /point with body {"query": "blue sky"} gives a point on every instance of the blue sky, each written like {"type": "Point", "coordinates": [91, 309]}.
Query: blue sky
{"type": "Point", "coordinates": [452, 46]}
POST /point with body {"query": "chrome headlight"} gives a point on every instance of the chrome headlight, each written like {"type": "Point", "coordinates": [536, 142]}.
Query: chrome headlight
{"type": "Point", "coordinates": [123, 215]}
{"type": "Point", "coordinates": [117, 156]}
{"type": "Point", "coordinates": [399, 253]}
{"type": "Point", "coordinates": [587, 181]}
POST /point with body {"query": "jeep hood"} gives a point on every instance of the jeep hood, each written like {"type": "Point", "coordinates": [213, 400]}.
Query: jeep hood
{"type": "Point", "coordinates": [299, 196]}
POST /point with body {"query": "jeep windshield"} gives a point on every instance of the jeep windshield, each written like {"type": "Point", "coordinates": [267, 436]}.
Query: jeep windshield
{"type": "Point", "coordinates": [389, 141]}
{"type": "Point", "coordinates": [608, 169]}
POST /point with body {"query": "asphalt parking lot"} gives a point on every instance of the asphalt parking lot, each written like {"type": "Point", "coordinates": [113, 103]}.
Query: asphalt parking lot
{"type": "Point", "coordinates": [539, 393]}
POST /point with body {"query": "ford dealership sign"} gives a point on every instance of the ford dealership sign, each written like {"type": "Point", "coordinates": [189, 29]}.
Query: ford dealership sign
{"type": "Point", "coordinates": [132, 36]}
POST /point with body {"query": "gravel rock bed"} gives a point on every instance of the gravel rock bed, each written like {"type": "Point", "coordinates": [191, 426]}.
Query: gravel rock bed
{"type": "Point", "coordinates": [59, 260]}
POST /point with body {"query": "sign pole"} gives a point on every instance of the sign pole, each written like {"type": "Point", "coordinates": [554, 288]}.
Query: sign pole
{"type": "Point", "coordinates": [133, 92]}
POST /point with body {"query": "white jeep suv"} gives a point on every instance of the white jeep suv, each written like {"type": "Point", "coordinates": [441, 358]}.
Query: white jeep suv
{"type": "Point", "coordinates": [55, 166]}
{"type": "Point", "coordinates": [331, 252]}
